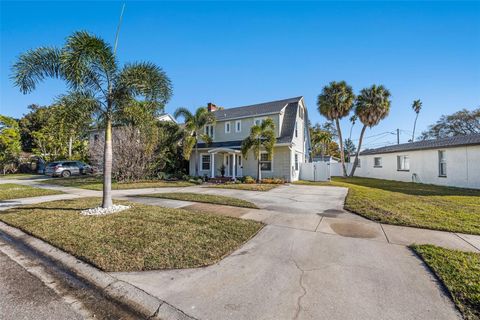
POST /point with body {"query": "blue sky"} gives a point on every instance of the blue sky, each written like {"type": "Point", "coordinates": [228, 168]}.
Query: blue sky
{"type": "Point", "coordinates": [238, 53]}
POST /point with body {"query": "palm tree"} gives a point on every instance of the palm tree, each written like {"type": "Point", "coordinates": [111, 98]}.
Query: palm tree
{"type": "Point", "coordinates": [320, 140]}
{"type": "Point", "coordinates": [96, 82]}
{"type": "Point", "coordinates": [194, 124]}
{"type": "Point", "coordinates": [371, 106]}
{"type": "Point", "coordinates": [416, 106]}
{"type": "Point", "coordinates": [261, 136]}
{"type": "Point", "coordinates": [353, 120]}
{"type": "Point", "coordinates": [334, 103]}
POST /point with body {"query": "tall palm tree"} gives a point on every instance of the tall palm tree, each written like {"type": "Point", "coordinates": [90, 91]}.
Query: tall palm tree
{"type": "Point", "coordinates": [96, 82]}
{"type": "Point", "coordinates": [353, 120]}
{"type": "Point", "coordinates": [320, 140]}
{"type": "Point", "coordinates": [194, 125]}
{"type": "Point", "coordinates": [371, 106]}
{"type": "Point", "coordinates": [334, 103]}
{"type": "Point", "coordinates": [416, 106]}
{"type": "Point", "coordinates": [261, 136]}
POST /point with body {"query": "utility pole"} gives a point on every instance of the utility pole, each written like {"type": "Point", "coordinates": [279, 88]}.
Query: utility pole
{"type": "Point", "coordinates": [398, 136]}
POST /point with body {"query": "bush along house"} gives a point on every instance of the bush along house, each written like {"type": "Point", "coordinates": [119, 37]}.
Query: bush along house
{"type": "Point", "coordinates": [233, 126]}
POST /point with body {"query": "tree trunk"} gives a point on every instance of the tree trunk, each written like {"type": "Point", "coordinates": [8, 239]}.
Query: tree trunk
{"type": "Point", "coordinates": [196, 155]}
{"type": "Point", "coordinates": [70, 142]}
{"type": "Point", "coordinates": [358, 151]}
{"type": "Point", "coordinates": [259, 171]}
{"type": "Point", "coordinates": [342, 153]}
{"type": "Point", "coordinates": [107, 166]}
{"type": "Point", "coordinates": [414, 125]}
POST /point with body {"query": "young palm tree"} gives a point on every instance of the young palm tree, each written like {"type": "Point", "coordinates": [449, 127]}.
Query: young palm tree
{"type": "Point", "coordinates": [371, 106]}
{"type": "Point", "coordinates": [96, 81]}
{"type": "Point", "coordinates": [353, 120]}
{"type": "Point", "coordinates": [416, 106]}
{"type": "Point", "coordinates": [261, 136]}
{"type": "Point", "coordinates": [320, 140]}
{"type": "Point", "coordinates": [194, 125]}
{"type": "Point", "coordinates": [334, 103]}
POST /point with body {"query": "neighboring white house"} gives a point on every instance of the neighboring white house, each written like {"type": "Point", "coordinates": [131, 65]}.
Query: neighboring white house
{"type": "Point", "coordinates": [451, 161]}
{"type": "Point", "coordinates": [233, 126]}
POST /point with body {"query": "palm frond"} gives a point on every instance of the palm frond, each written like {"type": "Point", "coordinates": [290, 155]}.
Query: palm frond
{"type": "Point", "coordinates": [183, 112]}
{"type": "Point", "coordinates": [34, 66]}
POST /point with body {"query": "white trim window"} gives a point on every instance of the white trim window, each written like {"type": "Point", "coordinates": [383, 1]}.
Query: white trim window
{"type": "Point", "coordinates": [209, 130]}
{"type": "Point", "coordinates": [238, 126]}
{"type": "Point", "coordinates": [227, 127]}
{"type": "Point", "coordinates": [205, 161]}
{"type": "Point", "coordinates": [296, 161]}
{"type": "Point", "coordinates": [442, 163]}
{"type": "Point", "coordinates": [265, 162]}
{"type": "Point", "coordinates": [377, 162]}
{"type": "Point", "coordinates": [258, 121]}
{"type": "Point", "coordinates": [403, 163]}
{"type": "Point", "coordinates": [296, 129]}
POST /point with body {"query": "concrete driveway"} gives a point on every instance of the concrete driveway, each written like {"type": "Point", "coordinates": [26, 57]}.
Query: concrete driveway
{"type": "Point", "coordinates": [311, 261]}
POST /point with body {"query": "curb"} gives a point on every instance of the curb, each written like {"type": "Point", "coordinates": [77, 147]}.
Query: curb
{"type": "Point", "coordinates": [118, 290]}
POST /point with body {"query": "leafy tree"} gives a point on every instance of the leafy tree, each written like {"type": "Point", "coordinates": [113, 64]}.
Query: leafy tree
{"type": "Point", "coordinates": [462, 122]}
{"type": "Point", "coordinates": [33, 121]}
{"type": "Point", "coordinates": [194, 125]}
{"type": "Point", "coordinates": [261, 136]}
{"type": "Point", "coordinates": [371, 106]}
{"type": "Point", "coordinates": [416, 106]}
{"type": "Point", "coordinates": [349, 149]}
{"type": "Point", "coordinates": [96, 81]}
{"type": "Point", "coordinates": [320, 140]}
{"type": "Point", "coordinates": [334, 103]}
{"type": "Point", "coordinates": [10, 145]}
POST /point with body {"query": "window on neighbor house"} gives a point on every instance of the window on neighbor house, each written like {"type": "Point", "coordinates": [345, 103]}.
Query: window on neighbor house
{"type": "Point", "coordinates": [227, 127]}
{"type": "Point", "coordinates": [238, 126]}
{"type": "Point", "coordinates": [358, 163]}
{"type": "Point", "coordinates": [296, 162]}
{"type": "Point", "coordinates": [265, 162]}
{"type": "Point", "coordinates": [205, 162]}
{"type": "Point", "coordinates": [403, 163]}
{"type": "Point", "coordinates": [301, 113]}
{"type": "Point", "coordinates": [442, 163]}
{"type": "Point", "coordinates": [209, 130]}
{"type": "Point", "coordinates": [377, 162]}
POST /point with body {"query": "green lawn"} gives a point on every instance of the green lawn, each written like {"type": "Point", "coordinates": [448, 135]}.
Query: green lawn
{"type": "Point", "coordinates": [95, 183]}
{"type": "Point", "coordinates": [16, 191]}
{"type": "Point", "coordinates": [245, 186]}
{"type": "Point", "coordinates": [411, 204]}
{"type": "Point", "coordinates": [21, 176]}
{"type": "Point", "coordinates": [141, 238]}
{"type": "Point", "coordinates": [205, 198]}
{"type": "Point", "coordinates": [459, 272]}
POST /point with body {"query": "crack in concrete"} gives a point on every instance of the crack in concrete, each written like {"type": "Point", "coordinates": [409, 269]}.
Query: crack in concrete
{"type": "Point", "coordinates": [299, 299]}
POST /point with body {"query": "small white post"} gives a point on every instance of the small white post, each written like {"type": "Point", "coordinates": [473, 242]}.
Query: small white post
{"type": "Point", "coordinates": [212, 164]}
{"type": "Point", "coordinates": [233, 166]}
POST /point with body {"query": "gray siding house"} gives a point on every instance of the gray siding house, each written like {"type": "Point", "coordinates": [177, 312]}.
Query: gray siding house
{"type": "Point", "coordinates": [233, 126]}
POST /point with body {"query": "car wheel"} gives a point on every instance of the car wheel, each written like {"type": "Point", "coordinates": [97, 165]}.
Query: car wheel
{"type": "Point", "coordinates": [66, 174]}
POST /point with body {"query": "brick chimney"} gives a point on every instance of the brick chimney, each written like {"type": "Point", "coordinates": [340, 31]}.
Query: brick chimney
{"type": "Point", "coordinates": [211, 107]}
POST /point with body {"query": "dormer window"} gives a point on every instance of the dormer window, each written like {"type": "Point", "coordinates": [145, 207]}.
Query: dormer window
{"type": "Point", "coordinates": [209, 130]}
{"type": "Point", "coordinates": [227, 127]}
{"type": "Point", "coordinates": [238, 126]}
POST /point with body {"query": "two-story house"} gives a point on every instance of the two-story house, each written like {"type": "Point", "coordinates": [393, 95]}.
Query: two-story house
{"type": "Point", "coordinates": [233, 126]}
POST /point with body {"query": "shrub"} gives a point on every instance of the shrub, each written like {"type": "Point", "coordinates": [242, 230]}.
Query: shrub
{"type": "Point", "coordinates": [273, 181]}
{"type": "Point", "coordinates": [249, 180]}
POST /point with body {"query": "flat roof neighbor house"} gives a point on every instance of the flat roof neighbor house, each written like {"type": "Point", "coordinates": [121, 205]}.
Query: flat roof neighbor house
{"type": "Point", "coordinates": [233, 126]}
{"type": "Point", "coordinates": [451, 161]}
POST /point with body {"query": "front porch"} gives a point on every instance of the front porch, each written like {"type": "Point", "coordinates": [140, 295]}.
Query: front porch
{"type": "Point", "coordinates": [230, 158]}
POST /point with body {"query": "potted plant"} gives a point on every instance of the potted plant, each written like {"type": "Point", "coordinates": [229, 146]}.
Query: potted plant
{"type": "Point", "coordinates": [222, 170]}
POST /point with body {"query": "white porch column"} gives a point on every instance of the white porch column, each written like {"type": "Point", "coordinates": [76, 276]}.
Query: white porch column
{"type": "Point", "coordinates": [212, 164]}
{"type": "Point", "coordinates": [233, 166]}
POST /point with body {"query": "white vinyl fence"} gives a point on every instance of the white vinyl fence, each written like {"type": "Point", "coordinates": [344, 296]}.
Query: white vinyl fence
{"type": "Point", "coordinates": [336, 169]}
{"type": "Point", "coordinates": [315, 171]}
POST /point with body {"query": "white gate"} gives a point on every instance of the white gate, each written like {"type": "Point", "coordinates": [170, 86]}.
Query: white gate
{"type": "Point", "coordinates": [315, 171]}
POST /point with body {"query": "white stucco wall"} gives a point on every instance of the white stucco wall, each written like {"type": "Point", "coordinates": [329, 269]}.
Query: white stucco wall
{"type": "Point", "coordinates": [463, 167]}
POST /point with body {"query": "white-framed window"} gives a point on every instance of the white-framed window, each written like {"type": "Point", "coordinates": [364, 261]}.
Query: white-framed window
{"type": "Point", "coordinates": [359, 163]}
{"type": "Point", "coordinates": [209, 130]}
{"type": "Point", "coordinates": [227, 127]}
{"type": "Point", "coordinates": [205, 161]}
{"type": "Point", "coordinates": [296, 162]}
{"type": "Point", "coordinates": [377, 162]}
{"type": "Point", "coordinates": [238, 126]}
{"type": "Point", "coordinates": [258, 121]}
{"type": "Point", "coordinates": [442, 163]}
{"type": "Point", "coordinates": [403, 163]}
{"type": "Point", "coordinates": [265, 162]}
{"type": "Point", "coordinates": [296, 129]}
{"type": "Point", "coordinates": [301, 113]}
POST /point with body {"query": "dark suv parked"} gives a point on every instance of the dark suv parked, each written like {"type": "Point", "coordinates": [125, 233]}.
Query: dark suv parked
{"type": "Point", "coordinates": [67, 168]}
